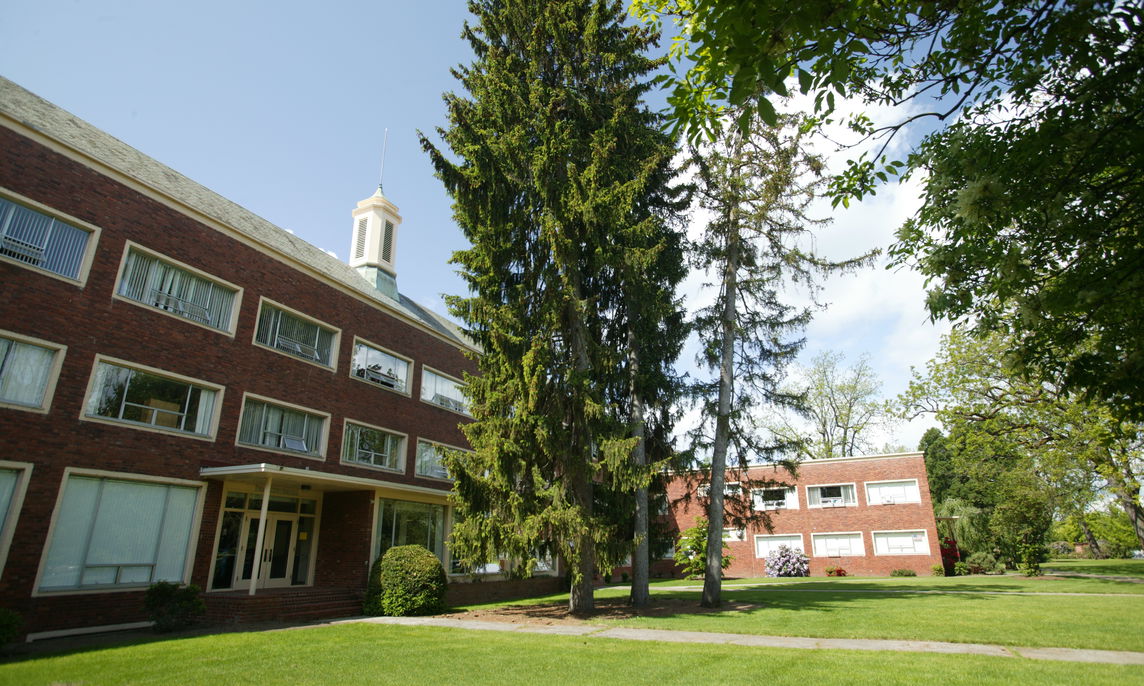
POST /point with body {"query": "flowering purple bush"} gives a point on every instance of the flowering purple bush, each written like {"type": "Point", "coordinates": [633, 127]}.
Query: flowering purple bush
{"type": "Point", "coordinates": [786, 561]}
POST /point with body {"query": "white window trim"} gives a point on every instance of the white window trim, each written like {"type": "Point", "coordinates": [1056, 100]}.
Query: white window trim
{"type": "Point", "coordinates": [421, 439]}
{"type": "Point", "coordinates": [192, 540]}
{"type": "Point", "coordinates": [335, 344]}
{"type": "Point", "coordinates": [53, 373]}
{"type": "Point", "coordinates": [8, 525]}
{"type": "Point", "coordinates": [427, 368]}
{"type": "Point", "coordinates": [404, 449]}
{"type": "Point", "coordinates": [923, 532]}
{"type": "Point", "coordinates": [734, 535]}
{"type": "Point", "coordinates": [791, 494]}
{"type": "Point", "coordinates": [89, 249]}
{"type": "Point", "coordinates": [830, 507]}
{"type": "Point", "coordinates": [235, 308]}
{"type": "Point", "coordinates": [917, 487]}
{"type": "Point", "coordinates": [323, 440]}
{"type": "Point", "coordinates": [216, 411]}
{"type": "Point", "coordinates": [408, 392]}
{"type": "Point", "coordinates": [861, 541]}
{"type": "Point", "coordinates": [758, 537]}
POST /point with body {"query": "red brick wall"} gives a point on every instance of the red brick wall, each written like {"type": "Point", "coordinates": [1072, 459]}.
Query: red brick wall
{"type": "Point", "coordinates": [89, 321]}
{"type": "Point", "coordinates": [806, 521]}
{"type": "Point", "coordinates": [344, 540]}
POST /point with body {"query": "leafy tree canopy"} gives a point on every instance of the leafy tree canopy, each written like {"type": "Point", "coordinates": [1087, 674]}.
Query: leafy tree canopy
{"type": "Point", "coordinates": [1034, 200]}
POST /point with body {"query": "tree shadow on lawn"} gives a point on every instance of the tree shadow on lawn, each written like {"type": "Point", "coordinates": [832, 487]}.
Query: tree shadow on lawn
{"type": "Point", "coordinates": [807, 596]}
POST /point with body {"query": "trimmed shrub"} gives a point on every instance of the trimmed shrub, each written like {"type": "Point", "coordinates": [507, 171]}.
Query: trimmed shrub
{"type": "Point", "coordinates": [835, 571]}
{"type": "Point", "coordinates": [960, 569]}
{"type": "Point", "coordinates": [903, 572]}
{"type": "Point", "coordinates": [937, 570]}
{"type": "Point", "coordinates": [786, 561]}
{"type": "Point", "coordinates": [10, 624]}
{"type": "Point", "coordinates": [982, 563]}
{"type": "Point", "coordinates": [408, 580]}
{"type": "Point", "coordinates": [172, 606]}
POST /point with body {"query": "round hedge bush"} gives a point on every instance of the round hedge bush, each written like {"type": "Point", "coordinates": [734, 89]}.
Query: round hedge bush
{"type": "Point", "coordinates": [408, 580]}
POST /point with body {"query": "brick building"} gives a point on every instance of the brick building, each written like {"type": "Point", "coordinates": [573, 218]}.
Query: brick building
{"type": "Point", "coordinates": [190, 393]}
{"type": "Point", "coordinates": [868, 515]}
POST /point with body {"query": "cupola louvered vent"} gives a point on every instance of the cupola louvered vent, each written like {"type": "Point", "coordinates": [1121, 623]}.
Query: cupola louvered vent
{"type": "Point", "coordinates": [387, 243]}
{"type": "Point", "coordinates": [360, 239]}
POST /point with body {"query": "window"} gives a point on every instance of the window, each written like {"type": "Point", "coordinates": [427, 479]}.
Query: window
{"type": "Point", "coordinates": [157, 283]}
{"type": "Point", "coordinates": [730, 490]}
{"type": "Point", "coordinates": [293, 335]}
{"type": "Point", "coordinates": [734, 534]}
{"type": "Point", "coordinates": [375, 447]}
{"type": "Point", "coordinates": [110, 532]}
{"type": "Point", "coordinates": [892, 492]}
{"type": "Point", "coordinates": [774, 498]}
{"type": "Point", "coordinates": [443, 391]}
{"type": "Point", "coordinates": [267, 425]}
{"type": "Point", "coordinates": [13, 484]}
{"type": "Point", "coordinates": [126, 394]}
{"type": "Point", "coordinates": [838, 545]}
{"type": "Point", "coordinates": [838, 495]}
{"type": "Point", "coordinates": [404, 523]}
{"type": "Point", "coordinates": [901, 543]}
{"type": "Point", "coordinates": [765, 545]}
{"type": "Point", "coordinates": [35, 239]}
{"type": "Point", "coordinates": [27, 371]}
{"type": "Point", "coordinates": [429, 460]}
{"type": "Point", "coordinates": [379, 367]}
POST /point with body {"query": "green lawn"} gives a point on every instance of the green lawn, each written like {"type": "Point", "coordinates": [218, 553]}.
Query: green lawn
{"type": "Point", "coordinates": [373, 654]}
{"type": "Point", "coordinates": [981, 609]}
{"type": "Point", "coordinates": [1132, 568]}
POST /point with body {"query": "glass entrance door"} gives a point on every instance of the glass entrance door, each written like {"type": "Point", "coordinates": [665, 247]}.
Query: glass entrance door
{"type": "Point", "coordinates": [277, 553]}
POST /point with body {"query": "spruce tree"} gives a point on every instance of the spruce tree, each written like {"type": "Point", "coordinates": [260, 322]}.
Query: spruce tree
{"type": "Point", "coordinates": [559, 180]}
{"type": "Point", "coordinates": [758, 184]}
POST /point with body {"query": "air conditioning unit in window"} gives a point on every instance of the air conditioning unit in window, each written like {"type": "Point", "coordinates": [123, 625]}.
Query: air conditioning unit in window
{"type": "Point", "coordinates": [384, 378]}
{"type": "Point", "coordinates": [833, 502]}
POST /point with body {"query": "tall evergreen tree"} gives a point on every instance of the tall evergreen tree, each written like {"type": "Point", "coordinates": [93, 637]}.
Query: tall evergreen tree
{"type": "Point", "coordinates": [560, 185]}
{"type": "Point", "coordinates": [758, 185]}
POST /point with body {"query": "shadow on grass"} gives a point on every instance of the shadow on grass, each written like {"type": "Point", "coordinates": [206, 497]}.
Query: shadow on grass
{"type": "Point", "coordinates": [1125, 568]}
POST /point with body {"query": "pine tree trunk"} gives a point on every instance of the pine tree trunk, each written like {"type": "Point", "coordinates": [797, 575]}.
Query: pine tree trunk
{"type": "Point", "coordinates": [641, 592]}
{"type": "Point", "coordinates": [713, 575]}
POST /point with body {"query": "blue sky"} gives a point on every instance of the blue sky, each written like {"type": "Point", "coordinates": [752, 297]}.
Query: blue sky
{"type": "Point", "coordinates": [281, 107]}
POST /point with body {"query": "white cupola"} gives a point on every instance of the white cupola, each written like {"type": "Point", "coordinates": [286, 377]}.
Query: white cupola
{"type": "Point", "coordinates": [373, 250]}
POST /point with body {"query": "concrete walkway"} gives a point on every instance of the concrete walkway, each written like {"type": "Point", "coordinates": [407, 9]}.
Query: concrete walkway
{"type": "Point", "coordinates": [1115, 657]}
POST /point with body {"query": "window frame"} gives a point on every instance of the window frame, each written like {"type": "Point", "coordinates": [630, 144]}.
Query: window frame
{"type": "Point", "coordinates": [861, 543]}
{"type": "Point", "coordinates": [788, 491]}
{"type": "Point", "coordinates": [925, 539]}
{"type": "Point", "coordinates": [192, 538]}
{"type": "Point", "coordinates": [324, 434]}
{"type": "Point", "coordinates": [426, 369]}
{"type": "Point", "coordinates": [402, 450]}
{"type": "Point", "coordinates": [820, 506]}
{"type": "Point", "coordinates": [335, 343]}
{"type": "Point", "coordinates": [235, 307]}
{"type": "Point", "coordinates": [761, 537]}
{"type": "Point", "coordinates": [917, 489]}
{"type": "Point", "coordinates": [85, 262]}
{"type": "Point", "coordinates": [9, 519]}
{"type": "Point", "coordinates": [216, 411]}
{"type": "Point", "coordinates": [59, 351]}
{"type": "Point", "coordinates": [734, 535]}
{"type": "Point", "coordinates": [445, 479]}
{"type": "Point", "coordinates": [358, 340]}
